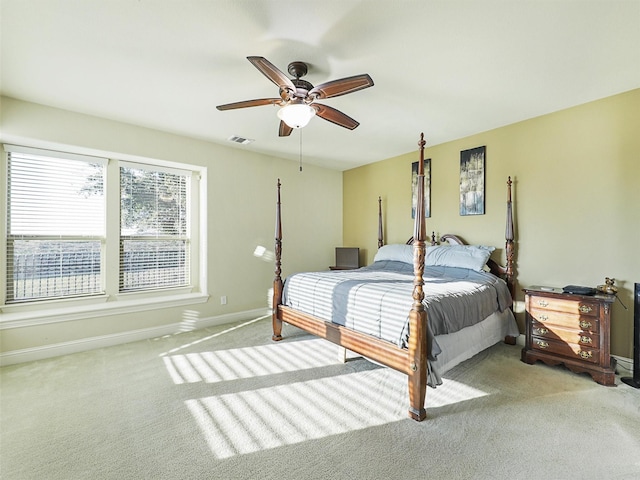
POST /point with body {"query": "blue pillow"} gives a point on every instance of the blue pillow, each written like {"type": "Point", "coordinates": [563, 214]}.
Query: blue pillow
{"type": "Point", "coordinates": [473, 257]}
{"type": "Point", "coordinates": [397, 252]}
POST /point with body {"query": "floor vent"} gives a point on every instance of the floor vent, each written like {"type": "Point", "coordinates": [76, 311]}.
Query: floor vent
{"type": "Point", "coordinates": [241, 140]}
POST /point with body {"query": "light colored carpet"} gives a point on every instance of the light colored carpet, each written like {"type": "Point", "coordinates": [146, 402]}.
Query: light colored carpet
{"type": "Point", "coordinates": [227, 403]}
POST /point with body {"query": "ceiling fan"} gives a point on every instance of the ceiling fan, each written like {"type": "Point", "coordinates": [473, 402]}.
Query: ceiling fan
{"type": "Point", "coordinates": [298, 97]}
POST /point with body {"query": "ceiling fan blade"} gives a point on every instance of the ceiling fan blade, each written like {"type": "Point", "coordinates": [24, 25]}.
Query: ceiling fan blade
{"type": "Point", "coordinates": [284, 130]}
{"type": "Point", "coordinates": [250, 103]}
{"type": "Point", "coordinates": [342, 86]}
{"type": "Point", "coordinates": [270, 71]}
{"type": "Point", "coordinates": [335, 116]}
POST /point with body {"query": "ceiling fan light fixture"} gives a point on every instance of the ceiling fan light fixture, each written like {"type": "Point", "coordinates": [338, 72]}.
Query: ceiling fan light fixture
{"type": "Point", "coordinates": [296, 115]}
{"type": "Point", "coordinates": [297, 97]}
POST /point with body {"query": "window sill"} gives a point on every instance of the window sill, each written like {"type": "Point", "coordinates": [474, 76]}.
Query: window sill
{"type": "Point", "coordinates": [13, 316]}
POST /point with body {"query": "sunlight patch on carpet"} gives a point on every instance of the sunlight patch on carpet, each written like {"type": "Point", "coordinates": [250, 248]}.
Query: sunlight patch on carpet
{"type": "Point", "coordinates": [186, 328]}
{"type": "Point", "coordinates": [451, 392]}
{"type": "Point", "coordinates": [238, 363]}
{"type": "Point", "coordinates": [261, 419]}
{"type": "Point", "coordinates": [251, 421]}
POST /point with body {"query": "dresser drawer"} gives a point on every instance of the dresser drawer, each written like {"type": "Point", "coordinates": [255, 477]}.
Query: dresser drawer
{"type": "Point", "coordinates": [570, 329]}
{"type": "Point", "coordinates": [591, 309]}
{"type": "Point", "coordinates": [587, 339]}
{"type": "Point", "coordinates": [571, 350]}
{"type": "Point", "coordinates": [571, 321]}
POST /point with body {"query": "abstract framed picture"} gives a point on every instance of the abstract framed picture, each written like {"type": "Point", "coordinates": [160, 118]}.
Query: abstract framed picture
{"type": "Point", "coordinates": [472, 181]}
{"type": "Point", "coordinates": [427, 188]}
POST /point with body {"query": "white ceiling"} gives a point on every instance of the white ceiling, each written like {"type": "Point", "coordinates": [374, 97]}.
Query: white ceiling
{"type": "Point", "coordinates": [445, 68]}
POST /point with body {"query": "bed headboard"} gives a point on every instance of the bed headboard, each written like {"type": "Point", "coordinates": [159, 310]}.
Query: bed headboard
{"type": "Point", "coordinates": [494, 267]}
{"type": "Point", "coordinates": [506, 272]}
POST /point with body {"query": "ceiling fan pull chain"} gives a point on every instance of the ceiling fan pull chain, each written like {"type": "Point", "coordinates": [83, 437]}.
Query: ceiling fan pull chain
{"type": "Point", "coordinates": [300, 130]}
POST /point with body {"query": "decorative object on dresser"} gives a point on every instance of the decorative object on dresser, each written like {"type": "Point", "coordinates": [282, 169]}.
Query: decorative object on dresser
{"type": "Point", "coordinates": [608, 286]}
{"type": "Point", "coordinates": [635, 380]}
{"type": "Point", "coordinates": [570, 329]}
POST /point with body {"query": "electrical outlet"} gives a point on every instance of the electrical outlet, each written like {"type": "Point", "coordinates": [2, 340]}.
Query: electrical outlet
{"type": "Point", "coordinates": [223, 300]}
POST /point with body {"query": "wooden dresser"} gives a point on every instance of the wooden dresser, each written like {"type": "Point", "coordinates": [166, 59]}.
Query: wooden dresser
{"type": "Point", "coordinates": [569, 329]}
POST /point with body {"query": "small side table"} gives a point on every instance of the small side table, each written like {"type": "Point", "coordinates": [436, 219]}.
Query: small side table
{"type": "Point", "coordinates": [570, 329]}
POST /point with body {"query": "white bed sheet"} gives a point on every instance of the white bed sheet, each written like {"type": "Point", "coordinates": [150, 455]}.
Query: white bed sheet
{"type": "Point", "coordinates": [464, 344]}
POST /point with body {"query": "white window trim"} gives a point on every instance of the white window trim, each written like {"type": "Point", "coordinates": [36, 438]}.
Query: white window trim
{"type": "Point", "coordinates": [68, 310]}
{"type": "Point", "coordinates": [112, 303]}
{"type": "Point", "coordinates": [56, 154]}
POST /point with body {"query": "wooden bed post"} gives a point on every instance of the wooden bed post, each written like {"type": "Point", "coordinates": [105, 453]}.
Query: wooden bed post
{"type": "Point", "coordinates": [277, 281]}
{"type": "Point", "coordinates": [380, 234]}
{"type": "Point", "coordinates": [417, 354]}
{"type": "Point", "coordinates": [509, 246]}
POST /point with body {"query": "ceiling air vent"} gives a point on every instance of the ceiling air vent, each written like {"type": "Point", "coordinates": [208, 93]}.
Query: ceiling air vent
{"type": "Point", "coordinates": [241, 140]}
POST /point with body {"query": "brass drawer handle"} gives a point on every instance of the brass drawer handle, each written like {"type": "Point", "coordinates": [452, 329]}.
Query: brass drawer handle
{"type": "Point", "coordinates": [585, 339]}
{"type": "Point", "coordinates": [542, 344]}
{"type": "Point", "coordinates": [544, 317]}
{"type": "Point", "coordinates": [585, 355]}
{"type": "Point", "coordinates": [584, 324]}
{"type": "Point", "coordinates": [585, 309]}
{"type": "Point", "coordinates": [541, 331]}
{"type": "Point", "coordinates": [542, 303]}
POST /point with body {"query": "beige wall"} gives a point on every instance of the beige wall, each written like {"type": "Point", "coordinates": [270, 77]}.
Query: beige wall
{"type": "Point", "coordinates": [241, 212]}
{"type": "Point", "coordinates": [576, 199]}
{"type": "Point", "coordinates": [576, 202]}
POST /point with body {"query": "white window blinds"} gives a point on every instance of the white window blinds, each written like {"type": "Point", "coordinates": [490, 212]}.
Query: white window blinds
{"type": "Point", "coordinates": [65, 223]}
{"type": "Point", "coordinates": [154, 242]}
{"type": "Point", "coordinates": [55, 224]}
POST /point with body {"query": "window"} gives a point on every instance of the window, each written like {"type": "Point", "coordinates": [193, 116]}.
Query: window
{"type": "Point", "coordinates": [154, 246]}
{"type": "Point", "coordinates": [61, 232]}
{"type": "Point", "coordinates": [55, 228]}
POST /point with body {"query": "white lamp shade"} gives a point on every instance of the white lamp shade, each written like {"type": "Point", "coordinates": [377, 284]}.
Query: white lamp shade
{"type": "Point", "coordinates": [296, 115]}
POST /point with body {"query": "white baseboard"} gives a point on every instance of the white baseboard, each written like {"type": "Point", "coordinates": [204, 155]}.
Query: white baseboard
{"type": "Point", "coordinates": [625, 366]}
{"type": "Point", "coordinates": [54, 350]}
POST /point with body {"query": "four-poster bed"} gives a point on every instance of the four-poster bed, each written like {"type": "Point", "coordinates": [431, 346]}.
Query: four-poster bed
{"type": "Point", "coordinates": [365, 310]}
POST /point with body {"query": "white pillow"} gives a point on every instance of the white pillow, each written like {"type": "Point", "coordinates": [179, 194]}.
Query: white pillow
{"type": "Point", "coordinates": [397, 252]}
{"type": "Point", "coordinates": [473, 257]}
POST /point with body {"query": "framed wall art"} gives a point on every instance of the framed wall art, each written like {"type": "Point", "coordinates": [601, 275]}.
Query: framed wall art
{"type": "Point", "coordinates": [427, 188]}
{"type": "Point", "coordinates": [472, 181]}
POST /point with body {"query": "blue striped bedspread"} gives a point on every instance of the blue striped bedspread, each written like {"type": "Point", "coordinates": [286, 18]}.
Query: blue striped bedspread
{"type": "Point", "coordinates": [376, 300]}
